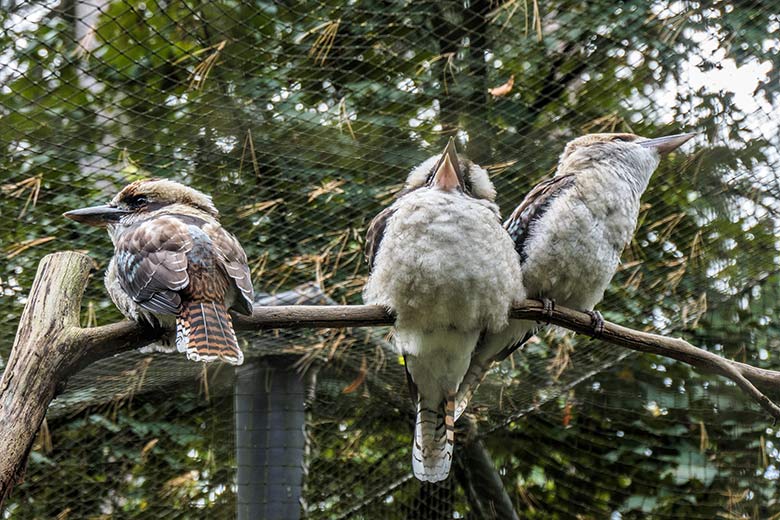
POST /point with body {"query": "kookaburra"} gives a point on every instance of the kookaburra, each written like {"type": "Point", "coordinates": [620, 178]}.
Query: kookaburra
{"type": "Point", "coordinates": [441, 261]}
{"type": "Point", "coordinates": [174, 265]}
{"type": "Point", "coordinates": [570, 231]}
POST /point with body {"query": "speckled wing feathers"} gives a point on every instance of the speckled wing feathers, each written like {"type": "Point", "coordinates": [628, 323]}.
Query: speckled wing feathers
{"type": "Point", "coordinates": [376, 230]}
{"type": "Point", "coordinates": [184, 265]}
{"type": "Point", "coordinates": [152, 264]}
{"type": "Point", "coordinates": [533, 207]}
{"type": "Point", "coordinates": [235, 263]}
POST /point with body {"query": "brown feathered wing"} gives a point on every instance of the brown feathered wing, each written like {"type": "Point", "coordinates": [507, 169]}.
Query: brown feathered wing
{"type": "Point", "coordinates": [186, 267]}
{"type": "Point", "coordinates": [374, 234]}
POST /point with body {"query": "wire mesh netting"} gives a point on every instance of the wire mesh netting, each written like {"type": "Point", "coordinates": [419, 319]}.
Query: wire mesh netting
{"type": "Point", "coordinates": [302, 120]}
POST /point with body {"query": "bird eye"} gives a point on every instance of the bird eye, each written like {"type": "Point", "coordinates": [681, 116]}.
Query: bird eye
{"type": "Point", "coordinates": [623, 138]}
{"type": "Point", "coordinates": [137, 201]}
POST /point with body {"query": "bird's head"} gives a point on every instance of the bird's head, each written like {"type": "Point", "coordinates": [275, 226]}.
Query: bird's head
{"type": "Point", "coordinates": [633, 153]}
{"type": "Point", "coordinates": [453, 173]}
{"type": "Point", "coordinates": [143, 197]}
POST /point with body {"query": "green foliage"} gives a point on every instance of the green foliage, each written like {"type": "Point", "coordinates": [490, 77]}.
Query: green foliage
{"type": "Point", "coordinates": [301, 119]}
{"type": "Point", "coordinates": [150, 461]}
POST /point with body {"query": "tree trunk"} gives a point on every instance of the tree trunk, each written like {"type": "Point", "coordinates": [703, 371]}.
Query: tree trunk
{"type": "Point", "coordinates": [49, 347]}
{"type": "Point", "coordinates": [86, 17]}
{"type": "Point", "coordinates": [43, 349]}
{"type": "Point", "coordinates": [475, 25]}
{"type": "Point", "coordinates": [448, 37]}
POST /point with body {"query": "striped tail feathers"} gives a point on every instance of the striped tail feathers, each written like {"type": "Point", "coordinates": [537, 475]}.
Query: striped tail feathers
{"type": "Point", "coordinates": [434, 439]}
{"type": "Point", "coordinates": [204, 331]}
{"type": "Point", "coordinates": [471, 381]}
{"type": "Point", "coordinates": [492, 348]}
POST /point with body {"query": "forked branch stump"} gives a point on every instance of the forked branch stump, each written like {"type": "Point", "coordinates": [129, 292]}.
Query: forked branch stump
{"type": "Point", "coordinates": [44, 347]}
{"type": "Point", "coordinates": [49, 345]}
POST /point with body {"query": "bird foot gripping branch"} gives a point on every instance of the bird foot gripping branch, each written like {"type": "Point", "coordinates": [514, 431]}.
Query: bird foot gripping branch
{"type": "Point", "coordinates": [597, 323]}
{"type": "Point", "coordinates": [549, 308]}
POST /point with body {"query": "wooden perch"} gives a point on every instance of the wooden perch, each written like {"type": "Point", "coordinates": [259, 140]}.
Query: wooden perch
{"type": "Point", "coordinates": [50, 346]}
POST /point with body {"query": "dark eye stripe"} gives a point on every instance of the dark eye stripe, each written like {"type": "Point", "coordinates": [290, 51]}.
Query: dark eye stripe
{"type": "Point", "coordinates": [138, 201]}
{"type": "Point", "coordinates": [135, 201]}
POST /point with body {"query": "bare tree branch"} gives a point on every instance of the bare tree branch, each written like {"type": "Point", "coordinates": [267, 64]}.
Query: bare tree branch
{"type": "Point", "coordinates": [745, 376]}
{"type": "Point", "coordinates": [478, 476]}
{"type": "Point", "coordinates": [50, 346]}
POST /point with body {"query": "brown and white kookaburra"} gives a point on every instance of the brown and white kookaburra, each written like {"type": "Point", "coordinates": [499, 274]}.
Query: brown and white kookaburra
{"type": "Point", "coordinates": [174, 265]}
{"type": "Point", "coordinates": [570, 231]}
{"type": "Point", "coordinates": [441, 261]}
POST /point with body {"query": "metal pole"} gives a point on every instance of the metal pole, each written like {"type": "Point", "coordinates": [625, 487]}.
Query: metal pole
{"type": "Point", "coordinates": [270, 441]}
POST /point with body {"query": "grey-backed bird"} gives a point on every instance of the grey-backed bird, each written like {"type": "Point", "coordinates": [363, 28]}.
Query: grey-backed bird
{"type": "Point", "coordinates": [441, 261]}
{"type": "Point", "coordinates": [570, 231]}
{"type": "Point", "coordinates": [174, 265]}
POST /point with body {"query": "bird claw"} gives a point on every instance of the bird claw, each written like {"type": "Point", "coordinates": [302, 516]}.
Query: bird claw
{"type": "Point", "coordinates": [597, 323]}
{"type": "Point", "coordinates": [548, 307]}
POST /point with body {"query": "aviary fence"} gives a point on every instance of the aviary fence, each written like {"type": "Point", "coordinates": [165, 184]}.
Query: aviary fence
{"type": "Point", "coordinates": [302, 120]}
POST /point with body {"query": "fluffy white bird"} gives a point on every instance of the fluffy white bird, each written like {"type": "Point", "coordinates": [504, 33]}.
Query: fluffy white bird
{"type": "Point", "coordinates": [570, 231]}
{"type": "Point", "coordinates": [440, 259]}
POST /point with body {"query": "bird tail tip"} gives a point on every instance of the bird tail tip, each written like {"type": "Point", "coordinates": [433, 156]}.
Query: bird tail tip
{"type": "Point", "coordinates": [434, 439]}
{"type": "Point", "coordinates": [204, 331]}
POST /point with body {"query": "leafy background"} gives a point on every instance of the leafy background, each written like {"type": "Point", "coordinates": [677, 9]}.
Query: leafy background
{"type": "Point", "coordinates": [301, 119]}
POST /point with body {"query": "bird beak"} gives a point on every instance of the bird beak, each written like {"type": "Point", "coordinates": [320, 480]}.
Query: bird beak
{"type": "Point", "coordinates": [447, 174]}
{"type": "Point", "coordinates": [98, 216]}
{"type": "Point", "coordinates": [664, 145]}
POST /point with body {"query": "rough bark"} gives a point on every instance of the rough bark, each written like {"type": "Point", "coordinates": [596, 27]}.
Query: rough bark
{"type": "Point", "coordinates": [42, 351]}
{"type": "Point", "coordinates": [50, 346]}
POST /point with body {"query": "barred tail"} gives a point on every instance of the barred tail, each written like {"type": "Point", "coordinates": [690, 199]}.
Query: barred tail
{"type": "Point", "coordinates": [471, 381]}
{"type": "Point", "coordinates": [434, 438]}
{"type": "Point", "coordinates": [204, 331]}
{"type": "Point", "coordinates": [492, 348]}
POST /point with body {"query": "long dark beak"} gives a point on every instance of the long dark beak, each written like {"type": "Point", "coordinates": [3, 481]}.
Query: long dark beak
{"type": "Point", "coordinates": [447, 175]}
{"type": "Point", "coordinates": [666, 144]}
{"type": "Point", "coordinates": [98, 216]}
